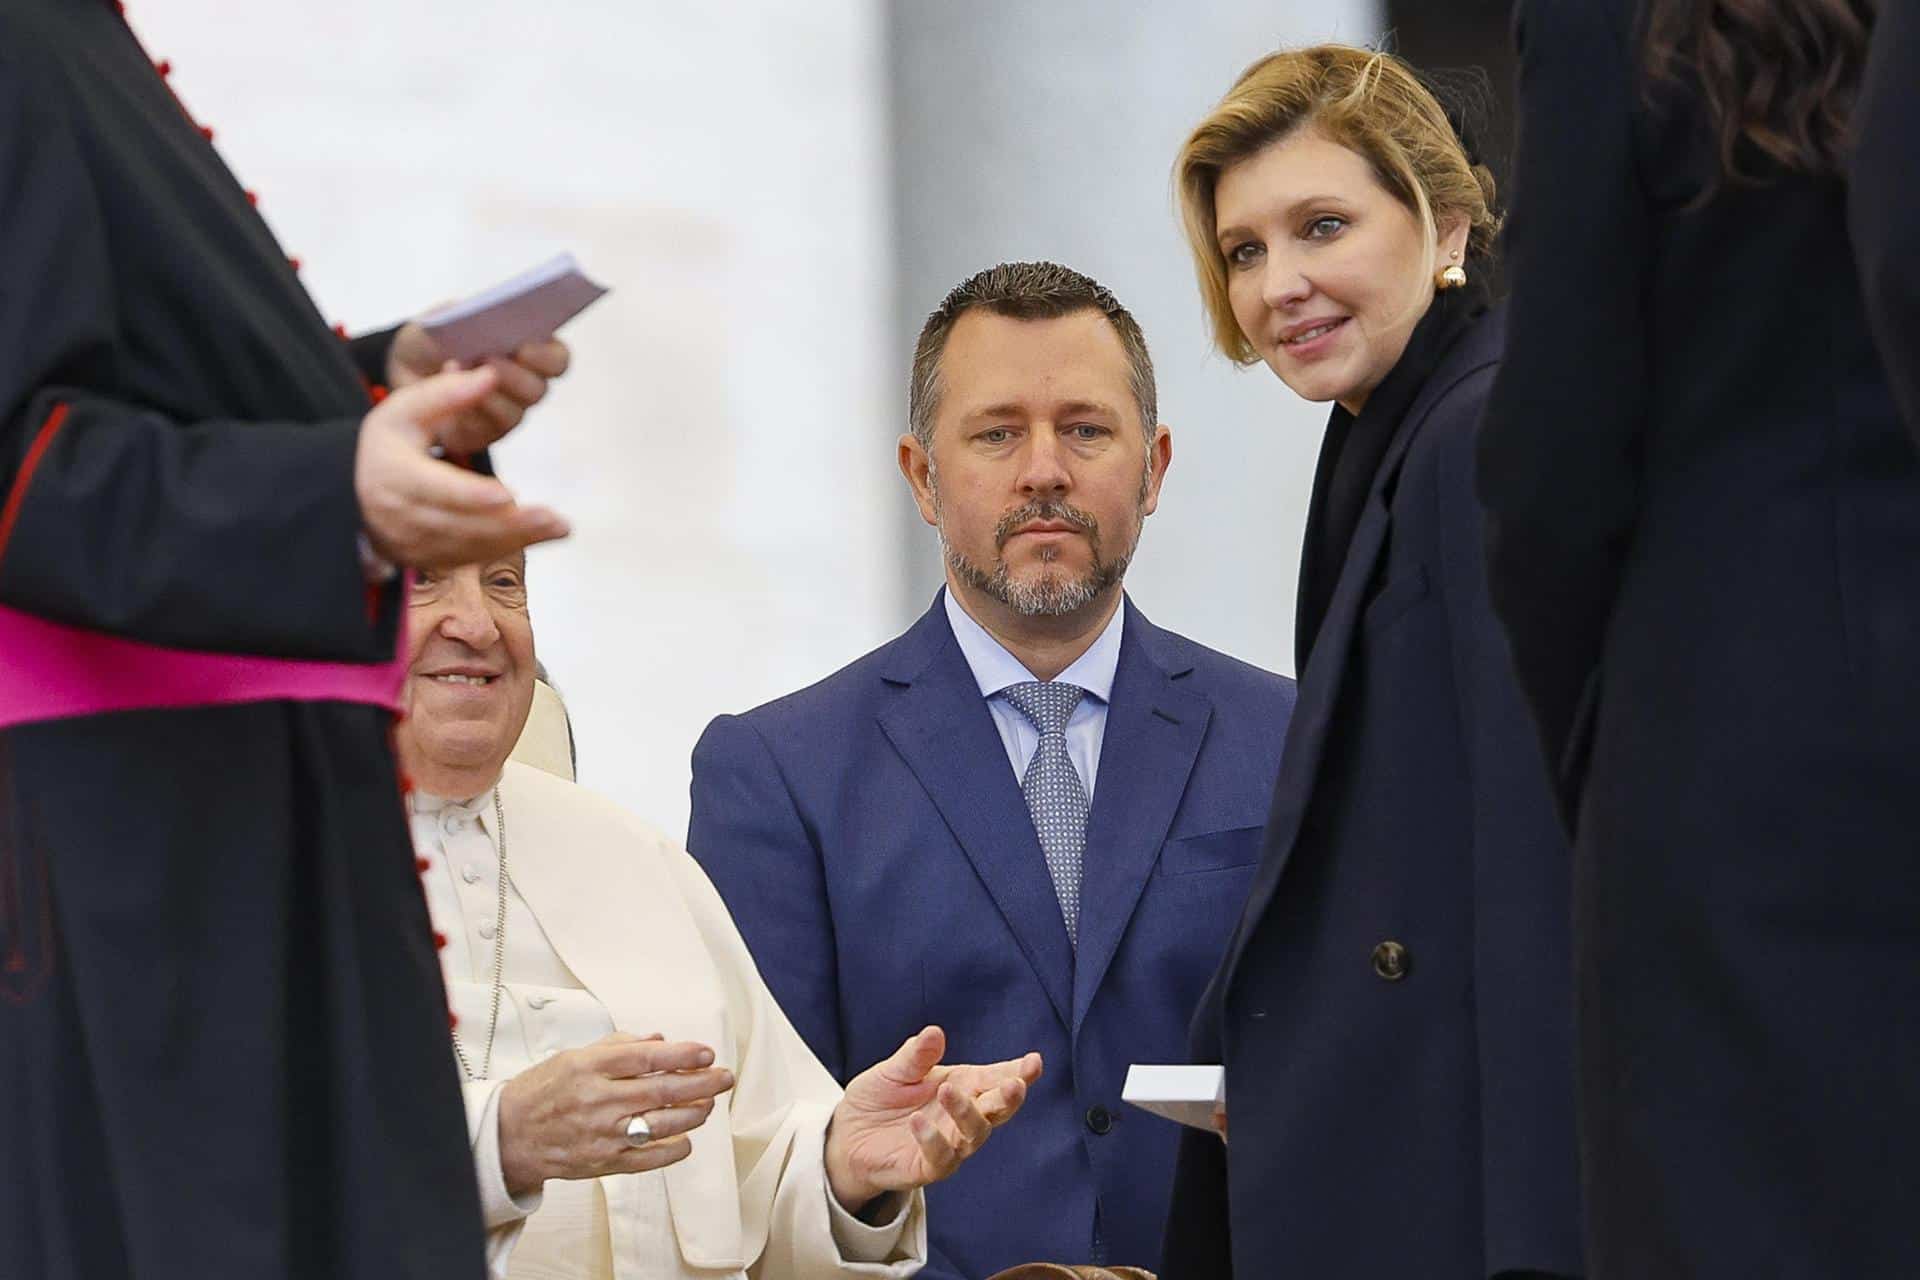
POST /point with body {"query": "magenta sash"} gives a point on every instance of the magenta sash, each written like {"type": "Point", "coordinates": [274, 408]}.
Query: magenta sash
{"type": "Point", "coordinates": [50, 671]}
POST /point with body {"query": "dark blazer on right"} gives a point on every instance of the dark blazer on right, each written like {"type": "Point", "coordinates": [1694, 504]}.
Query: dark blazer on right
{"type": "Point", "coordinates": [1394, 1010]}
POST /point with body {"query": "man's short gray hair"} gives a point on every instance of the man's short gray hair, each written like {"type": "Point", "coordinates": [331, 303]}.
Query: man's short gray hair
{"type": "Point", "coordinates": [1025, 291]}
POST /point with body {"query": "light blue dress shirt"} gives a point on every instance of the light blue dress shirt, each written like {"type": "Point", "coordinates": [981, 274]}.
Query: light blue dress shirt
{"type": "Point", "coordinates": [994, 669]}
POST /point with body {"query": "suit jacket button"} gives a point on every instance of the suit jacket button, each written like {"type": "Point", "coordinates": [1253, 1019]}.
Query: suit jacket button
{"type": "Point", "coordinates": [1392, 961]}
{"type": "Point", "coordinates": [1100, 1120]}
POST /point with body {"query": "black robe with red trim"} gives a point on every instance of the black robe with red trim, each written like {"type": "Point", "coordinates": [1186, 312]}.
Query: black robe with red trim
{"type": "Point", "coordinates": [223, 1037]}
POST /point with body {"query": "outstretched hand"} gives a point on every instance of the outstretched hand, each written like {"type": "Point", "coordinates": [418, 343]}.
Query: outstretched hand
{"type": "Point", "coordinates": [420, 511]}
{"type": "Point", "coordinates": [910, 1120]}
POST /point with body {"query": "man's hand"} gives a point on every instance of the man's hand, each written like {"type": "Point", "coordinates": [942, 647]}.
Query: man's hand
{"type": "Point", "coordinates": [523, 377]}
{"type": "Point", "coordinates": [910, 1121]}
{"type": "Point", "coordinates": [567, 1117]}
{"type": "Point", "coordinates": [430, 514]}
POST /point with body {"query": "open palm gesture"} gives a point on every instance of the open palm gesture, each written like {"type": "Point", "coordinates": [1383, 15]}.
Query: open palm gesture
{"type": "Point", "coordinates": [909, 1120]}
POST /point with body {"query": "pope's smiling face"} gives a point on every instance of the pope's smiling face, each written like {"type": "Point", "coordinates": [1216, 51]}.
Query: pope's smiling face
{"type": "Point", "coordinates": [470, 674]}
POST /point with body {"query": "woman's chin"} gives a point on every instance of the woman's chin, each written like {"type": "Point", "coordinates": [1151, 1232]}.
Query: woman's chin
{"type": "Point", "coordinates": [1310, 386]}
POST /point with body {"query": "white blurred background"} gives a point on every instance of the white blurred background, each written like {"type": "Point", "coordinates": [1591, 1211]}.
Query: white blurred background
{"type": "Point", "coordinates": [778, 193]}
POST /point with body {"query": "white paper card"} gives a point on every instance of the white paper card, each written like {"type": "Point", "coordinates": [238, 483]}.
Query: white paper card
{"type": "Point", "coordinates": [1186, 1094]}
{"type": "Point", "coordinates": [531, 306]}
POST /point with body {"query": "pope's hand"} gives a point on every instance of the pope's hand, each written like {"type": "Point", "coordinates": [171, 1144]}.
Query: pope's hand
{"type": "Point", "coordinates": [910, 1121]}
{"type": "Point", "coordinates": [522, 378]}
{"type": "Point", "coordinates": [420, 511]}
{"type": "Point", "coordinates": [567, 1117]}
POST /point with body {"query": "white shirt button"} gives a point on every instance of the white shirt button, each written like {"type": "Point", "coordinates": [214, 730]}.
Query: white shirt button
{"type": "Point", "coordinates": [486, 929]}
{"type": "Point", "coordinates": [539, 1002]}
{"type": "Point", "coordinates": [453, 822]}
{"type": "Point", "coordinates": [470, 873]}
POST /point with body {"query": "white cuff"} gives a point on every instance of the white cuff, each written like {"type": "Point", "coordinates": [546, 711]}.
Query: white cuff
{"type": "Point", "coordinates": [498, 1206]}
{"type": "Point", "coordinates": [859, 1242]}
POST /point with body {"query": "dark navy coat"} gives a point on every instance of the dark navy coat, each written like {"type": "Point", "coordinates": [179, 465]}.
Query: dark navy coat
{"type": "Point", "coordinates": [1394, 1011]}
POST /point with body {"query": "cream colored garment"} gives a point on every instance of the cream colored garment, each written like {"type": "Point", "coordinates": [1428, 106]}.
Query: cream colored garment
{"type": "Point", "coordinates": [546, 741]}
{"type": "Point", "coordinates": [610, 925]}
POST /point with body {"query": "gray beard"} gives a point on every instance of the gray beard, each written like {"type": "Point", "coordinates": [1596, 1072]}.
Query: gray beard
{"type": "Point", "coordinates": [1053, 594]}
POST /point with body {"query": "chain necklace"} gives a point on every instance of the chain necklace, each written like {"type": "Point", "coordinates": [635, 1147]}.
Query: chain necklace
{"type": "Point", "coordinates": [499, 953]}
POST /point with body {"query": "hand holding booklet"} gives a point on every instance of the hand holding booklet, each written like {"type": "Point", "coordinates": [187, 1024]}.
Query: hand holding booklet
{"type": "Point", "coordinates": [529, 307]}
{"type": "Point", "coordinates": [1189, 1095]}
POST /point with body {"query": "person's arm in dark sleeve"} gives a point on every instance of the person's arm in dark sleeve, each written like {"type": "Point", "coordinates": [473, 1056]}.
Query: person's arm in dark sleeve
{"type": "Point", "coordinates": [370, 351]}
{"type": "Point", "coordinates": [1883, 198]}
{"type": "Point", "coordinates": [1522, 896]}
{"type": "Point", "coordinates": [229, 536]}
{"type": "Point", "coordinates": [1558, 465]}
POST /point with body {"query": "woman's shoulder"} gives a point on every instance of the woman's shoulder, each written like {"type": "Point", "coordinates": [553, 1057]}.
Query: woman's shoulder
{"type": "Point", "coordinates": [1461, 380]}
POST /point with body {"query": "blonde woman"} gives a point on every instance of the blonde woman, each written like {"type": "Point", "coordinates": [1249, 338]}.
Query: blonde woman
{"type": "Point", "coordinates": [1393, 1012]}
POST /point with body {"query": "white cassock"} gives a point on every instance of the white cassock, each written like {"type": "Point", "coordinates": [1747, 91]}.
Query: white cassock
{"type": "Point", "coordinates": [611, 926]}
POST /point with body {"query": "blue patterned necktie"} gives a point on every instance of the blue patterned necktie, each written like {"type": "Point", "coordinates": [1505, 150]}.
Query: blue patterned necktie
{"type": "Point", "coordinates": [1056, 797]}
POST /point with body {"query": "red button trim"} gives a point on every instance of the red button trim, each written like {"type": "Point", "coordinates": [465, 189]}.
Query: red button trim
{"type": "Point", "coordinates": [422, 865]}
{"type": "Point", "coordinates": [253, 198]}
{"type": "Point", "coordinates": [164, 67]}
{"type": "Point", "coordinates": [206, 131]}
{"type": "Point", "coordinates": [376, 393]}
{"type": "Point", "coordinates": [439, 940]}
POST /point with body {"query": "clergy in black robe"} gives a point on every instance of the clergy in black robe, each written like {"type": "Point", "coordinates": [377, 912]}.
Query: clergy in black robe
{"type": "Point", "coordinates": [223, 1035]}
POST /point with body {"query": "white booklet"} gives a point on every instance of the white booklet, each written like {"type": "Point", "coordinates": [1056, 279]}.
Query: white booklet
{"type": "Point", "coordinates": [529, 307]}
{"type": "Point", "coordinates": [1187, 1094]}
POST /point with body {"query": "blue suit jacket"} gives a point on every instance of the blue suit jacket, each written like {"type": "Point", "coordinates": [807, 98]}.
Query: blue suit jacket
{"type": "Point", "coordinates": [874, 847]}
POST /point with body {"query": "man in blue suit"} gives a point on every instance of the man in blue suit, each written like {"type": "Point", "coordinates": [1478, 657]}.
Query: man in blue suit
{"type": "Point", "coordinates": [1032, 818]}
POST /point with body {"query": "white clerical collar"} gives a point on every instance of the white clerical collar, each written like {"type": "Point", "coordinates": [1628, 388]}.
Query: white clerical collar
{"type": "Point", "coordinates": [479, 807]}
{"type": "Point", "coordinates": [995, 669]}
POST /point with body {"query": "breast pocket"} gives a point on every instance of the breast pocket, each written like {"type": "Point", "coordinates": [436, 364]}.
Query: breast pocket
{"type": "Point", "coordinates": [1211, 851]}
{"type": "Point", "coordinates": [1400, 594]}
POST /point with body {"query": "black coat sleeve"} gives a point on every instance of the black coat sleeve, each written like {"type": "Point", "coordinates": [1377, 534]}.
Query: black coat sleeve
{"type": "Point", "coordinates": [369, 351]}
{"type": "Point", "coordinates": [1558, 465]}
{"type": "Point", "coordinates": [219, 535]}
{"type": "Point", "coordinates": [1522, 898]}
{"type": "Point", "coordinates": [1884, 198]}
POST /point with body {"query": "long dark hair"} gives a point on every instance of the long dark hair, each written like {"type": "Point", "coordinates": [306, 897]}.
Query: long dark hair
{"type": "Point", "coordinates": [1779, 77]}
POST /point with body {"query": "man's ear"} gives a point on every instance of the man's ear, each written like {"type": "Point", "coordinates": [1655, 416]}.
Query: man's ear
{"type": "Point", "coordinates": [1159, 458]}
{"type": "Point", "coordinates": [916, 464]}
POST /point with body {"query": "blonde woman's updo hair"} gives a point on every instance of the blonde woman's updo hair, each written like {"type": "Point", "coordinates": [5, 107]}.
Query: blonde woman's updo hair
{"type": "Point", "coordinates": [1368, 101]}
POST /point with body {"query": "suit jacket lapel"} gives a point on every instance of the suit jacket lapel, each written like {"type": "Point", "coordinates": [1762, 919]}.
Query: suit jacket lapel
{"type": "Point", "coordinates": [942, 728]}
{"type": "Point", "coordinates": [1320, 685]}
{"type": "Point", "coordinates": [1153, 734]}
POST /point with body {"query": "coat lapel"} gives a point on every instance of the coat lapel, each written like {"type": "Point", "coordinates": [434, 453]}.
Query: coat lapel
{"type": "Point", "coordinates": [1153, 734]}
{"type": "Point", "coordinates": [1320, 685]}
{"type": "Point", "coordinates": [941, 727]}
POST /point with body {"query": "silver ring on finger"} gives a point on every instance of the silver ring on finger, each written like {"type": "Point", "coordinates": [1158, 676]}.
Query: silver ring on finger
{"type": "Point", "coordinates": [637, 1131]}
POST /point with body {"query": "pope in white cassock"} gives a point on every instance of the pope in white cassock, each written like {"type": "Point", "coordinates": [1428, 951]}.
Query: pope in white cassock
{"type": "Point", "coordinates": [638, 1105]}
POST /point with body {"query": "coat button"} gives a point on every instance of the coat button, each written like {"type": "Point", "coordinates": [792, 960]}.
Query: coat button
{"type": "Point", "coordinates": [1100, 1120]}
{"type": "Point", "coordinates": [1392, 961]}
{"type": "Point", "coordinates": [470, 873]}
{"type": "Point", "coordinates": [485, 930]}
